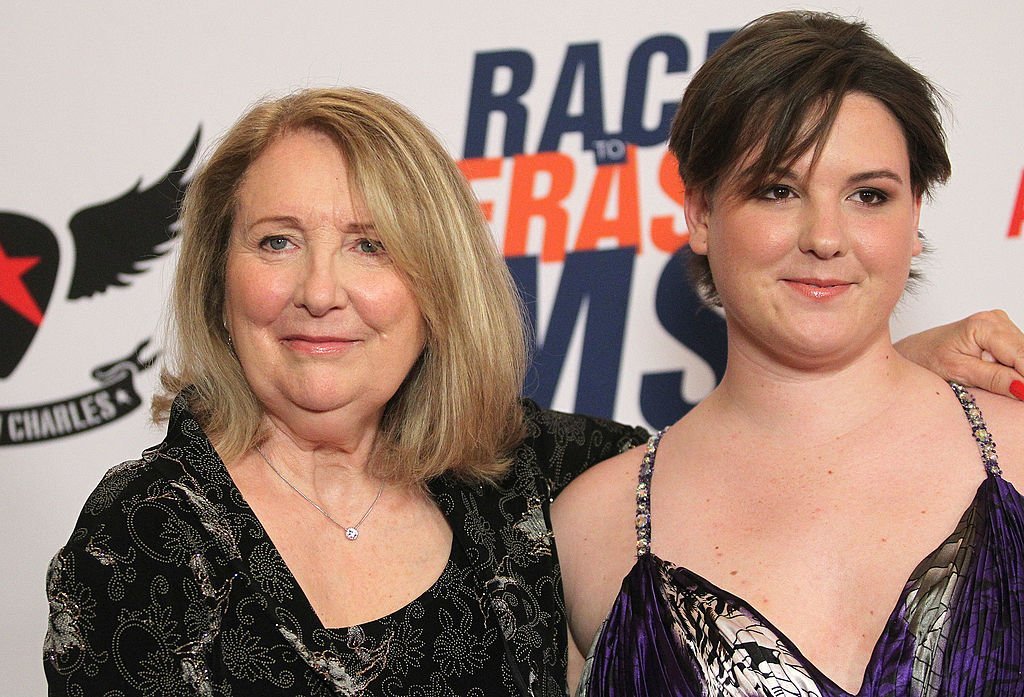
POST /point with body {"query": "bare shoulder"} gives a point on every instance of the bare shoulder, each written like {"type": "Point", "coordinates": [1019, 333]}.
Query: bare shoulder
{"type": "Point", "coordinates": [593, 521]}
{"type": "Point", "coordinates": [598, 501]}
{"type": "Point", "coordinates": [1004, 418]}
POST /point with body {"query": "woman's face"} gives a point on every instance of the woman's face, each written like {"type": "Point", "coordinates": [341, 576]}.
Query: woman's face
{"type": "Point", "coordinates": [810, 268]}
{"type": "Point", "coordinates": [320, 317]}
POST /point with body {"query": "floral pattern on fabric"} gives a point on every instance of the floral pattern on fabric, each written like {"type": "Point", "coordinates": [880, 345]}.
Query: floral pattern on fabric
{"type": "Point", "coordinates": [169, 585]}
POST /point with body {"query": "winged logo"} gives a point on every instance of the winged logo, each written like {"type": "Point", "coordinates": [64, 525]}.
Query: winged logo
{"type": "Point", "coordinates": [113, 240]}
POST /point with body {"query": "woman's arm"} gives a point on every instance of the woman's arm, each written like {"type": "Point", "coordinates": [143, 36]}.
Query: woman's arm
{"type": "Point", "coordinates": [984, 350]}
{"type": "Point", "coordinates": [116, 624]}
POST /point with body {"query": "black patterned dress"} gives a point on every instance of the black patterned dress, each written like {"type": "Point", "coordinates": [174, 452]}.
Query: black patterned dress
{"type": "Point", "coordinates": [169, 585]}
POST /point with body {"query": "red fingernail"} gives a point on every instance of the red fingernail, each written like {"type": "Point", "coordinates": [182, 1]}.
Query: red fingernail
{"type": "Point", "coordinates": [1017, 389]}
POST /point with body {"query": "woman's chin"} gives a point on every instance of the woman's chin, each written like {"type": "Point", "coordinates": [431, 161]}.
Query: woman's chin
{"type": "Point", "coordinates": [311, 403]}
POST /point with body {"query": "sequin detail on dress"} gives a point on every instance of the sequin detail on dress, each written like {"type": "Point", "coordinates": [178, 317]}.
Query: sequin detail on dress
{"type": "Point", "coordinates": [643, 495]}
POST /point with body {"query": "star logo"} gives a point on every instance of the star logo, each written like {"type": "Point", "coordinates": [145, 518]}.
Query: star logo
{"type": "Point", "coordinates": [113, 241]}
{"type": "Point", "coordinates": [13, 291]}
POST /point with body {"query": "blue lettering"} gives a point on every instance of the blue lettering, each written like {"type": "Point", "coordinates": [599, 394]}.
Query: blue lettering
{"type": "Point", "coordinates": [484, 101]}
{"type": "Point", "coordinates": [699, 328]}
{"type": "Point", "coordinates": [599, 281]}
{"type": "Point", "coordinates": [580, 74]}
{"type": "Point", "coordinates": [637, 79]}
{"type": "Point", "coordinates": [583, 65]}
{"type": "Point", "coordinates": [717, 38]}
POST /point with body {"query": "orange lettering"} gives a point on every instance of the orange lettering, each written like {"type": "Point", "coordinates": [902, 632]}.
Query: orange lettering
{"type": "Point", "coordinates": [624, 226]}
{"type": "Point", "coordinates": [663, 233]}
{"type": "Point", "coordinates": [482, 168]}
{"type": "Point", "coordinates": [525, 204]}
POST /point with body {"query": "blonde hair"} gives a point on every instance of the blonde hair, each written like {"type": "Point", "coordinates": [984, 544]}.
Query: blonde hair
{"type": "Point", "coordinates": [458, 410]}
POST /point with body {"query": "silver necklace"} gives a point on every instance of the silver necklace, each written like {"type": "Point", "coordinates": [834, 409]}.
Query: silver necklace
{"type": "Point", "coordinates": [351, 531]}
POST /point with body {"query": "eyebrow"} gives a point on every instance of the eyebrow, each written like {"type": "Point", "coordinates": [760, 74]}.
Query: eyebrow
{"type": "Point", "coordinates": [857, 178]}
{"type": "Point", "coordinates": [292, 221]}
{"type": "Point", "coordinates": [876, 174]}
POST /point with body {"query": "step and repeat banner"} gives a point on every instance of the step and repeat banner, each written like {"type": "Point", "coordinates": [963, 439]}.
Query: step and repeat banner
{"type": "Point", "coordinates": [558, 114]}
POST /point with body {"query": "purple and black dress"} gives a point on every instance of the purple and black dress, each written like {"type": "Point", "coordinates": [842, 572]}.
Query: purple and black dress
{"type": "Point", "coordinates": [958, 628]}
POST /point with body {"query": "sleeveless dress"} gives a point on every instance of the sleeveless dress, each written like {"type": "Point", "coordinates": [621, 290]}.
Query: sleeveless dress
{"type": "Point", "coordinates": [958, 628]}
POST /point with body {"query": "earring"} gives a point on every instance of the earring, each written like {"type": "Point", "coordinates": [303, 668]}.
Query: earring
{"type": "Point", "coordinates": [231, 342]}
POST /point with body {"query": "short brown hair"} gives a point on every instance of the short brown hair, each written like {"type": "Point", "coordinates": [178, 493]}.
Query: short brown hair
{"type": "Point", "coordinates": [775, 87]}
{"type": "Point", "coordinates": [458, 409]}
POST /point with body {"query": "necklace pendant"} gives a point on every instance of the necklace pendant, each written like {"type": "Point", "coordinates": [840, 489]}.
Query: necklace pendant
{"type": "Point", "coordinates": [351, 533]}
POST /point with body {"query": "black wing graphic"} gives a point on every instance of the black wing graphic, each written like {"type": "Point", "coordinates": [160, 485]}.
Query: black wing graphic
{"type": "Point", "coordinates": [113, 238]}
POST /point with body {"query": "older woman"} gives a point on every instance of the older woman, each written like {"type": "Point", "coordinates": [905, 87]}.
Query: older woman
{"type": "Point", "coordinates": [832, 519]}
{"type": "Point", "coordinates": [351, 498]}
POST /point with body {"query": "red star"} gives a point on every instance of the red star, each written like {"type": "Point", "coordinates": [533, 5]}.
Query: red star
{"type": "Point", "coordinates": [13, 290]}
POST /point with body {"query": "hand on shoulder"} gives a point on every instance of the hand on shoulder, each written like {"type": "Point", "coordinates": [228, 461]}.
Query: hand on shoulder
{"type": "Point", "coordinates": [984, 349]}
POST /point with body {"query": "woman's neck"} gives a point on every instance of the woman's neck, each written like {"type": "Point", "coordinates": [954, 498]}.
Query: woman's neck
{"type": "Point", "coordinates": [320, 449]}
{"type": "Point", "coordinates": [819, 401]}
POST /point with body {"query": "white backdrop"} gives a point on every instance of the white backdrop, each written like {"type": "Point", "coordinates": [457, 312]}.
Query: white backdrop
{"type": "Point", "coordinates": [97, 98]}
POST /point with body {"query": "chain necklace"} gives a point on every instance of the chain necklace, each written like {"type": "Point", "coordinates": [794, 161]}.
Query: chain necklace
{"type": "Point", "coordinates": [351, 531]}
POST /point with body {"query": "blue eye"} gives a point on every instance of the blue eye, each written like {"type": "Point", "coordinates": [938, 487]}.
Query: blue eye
{"type": "Point", "coordinates": [277, 244]}
{"type": "Point", "coordinates": [370, 246]}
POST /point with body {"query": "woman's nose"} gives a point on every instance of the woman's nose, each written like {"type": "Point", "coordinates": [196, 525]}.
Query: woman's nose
{"type": "Point", "coordinates": [321, 288]}
{"type": "Point", "coordinates": [822, 232]}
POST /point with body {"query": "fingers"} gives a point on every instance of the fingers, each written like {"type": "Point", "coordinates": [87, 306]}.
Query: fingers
{"type": "Point", "coordinates": [995, 334]}
{"type": "Point", "coordinates": [984, 350]}
{"type": "Point", "coordinates": [998, 335]}
{"type": "Point", "coordinates": [996, 378]}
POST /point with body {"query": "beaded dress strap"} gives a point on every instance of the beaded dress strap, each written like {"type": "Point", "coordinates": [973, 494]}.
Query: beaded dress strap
{"type": "Point", "coordinates": [986, 445]}
{"type": "Point", "coordinates": [643, 495]}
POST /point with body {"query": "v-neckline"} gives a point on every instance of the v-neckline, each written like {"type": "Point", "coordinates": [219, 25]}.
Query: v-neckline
{"type": "Point", "coordinates": [300, 602]}
{"type": "Point", "coordinates": [992, 478]}
{"type": "Point", "coordinates": [794, 650]}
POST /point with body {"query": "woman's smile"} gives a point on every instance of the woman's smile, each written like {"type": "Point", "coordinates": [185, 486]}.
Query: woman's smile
{"type": "Point", "coordinates": [319, 345]}
{"type": "Point", "coordinates": [812, 264]}
{"type": "Point", "coordinates": [818, 289]}
{"type": "Point", "coordinates": [309, 284]}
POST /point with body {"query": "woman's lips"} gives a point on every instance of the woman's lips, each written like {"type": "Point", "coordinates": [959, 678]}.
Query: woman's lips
{"type": "Point", "coordinates": [818, 289]}
{"type": "Point", "coordinates": [319, 345]}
